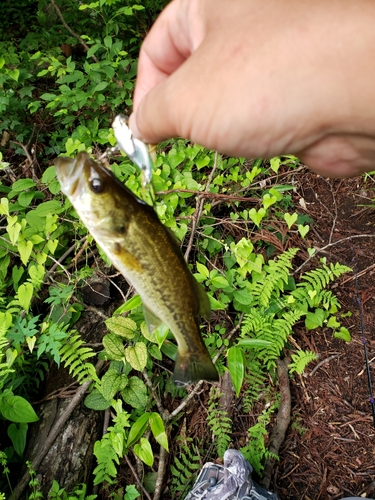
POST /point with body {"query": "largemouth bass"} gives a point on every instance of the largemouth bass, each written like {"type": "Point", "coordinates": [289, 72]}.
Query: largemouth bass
{"type": "Point", "coordinates": [147, 254]}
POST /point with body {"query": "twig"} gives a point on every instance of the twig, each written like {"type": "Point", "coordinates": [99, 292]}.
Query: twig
{"type": "Point", "coordinates": [137, 478]}
{"type": "Point", "coordinates": [282, 421]}
{"type": "Point", "coordinates": [63, 257]}
{"type": "Point", "coordinates": [58, 12]}
{"type": "Point", "coordinates": [318, 250]}
{"type": "Point", "coordinates": [90, 308]}
{"type": "Point", "coordinates": [199, 208]}
{"type": "Point", "coordinates": [323, 362]}
{"type": "Point", "coordinates": [162, 411]}
{"type": "Point", "coordinates": [55, 431]}
{"type": "Point", "coordinates": [336, 214]}
{"type": "Point", "coordinates": [161, 473]}
{"type": "Point", "coordinates": [359, 274]}
{"type": "Point", "coordinates": [107, 414]}
{"type": "Point", "coordinates": [31, 161]}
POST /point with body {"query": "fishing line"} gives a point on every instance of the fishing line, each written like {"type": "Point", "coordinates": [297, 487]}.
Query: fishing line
{"type": "Point", "coordinates": [363, 338]}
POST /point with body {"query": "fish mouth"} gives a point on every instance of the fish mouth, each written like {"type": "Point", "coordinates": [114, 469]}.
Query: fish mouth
{"type": "Point", "coordinates": [68, 173]}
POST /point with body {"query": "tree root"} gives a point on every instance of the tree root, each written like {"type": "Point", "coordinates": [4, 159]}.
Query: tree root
{"type": "Point", "coordinates": [79, 395]}
{"type": "Point", "coordinates": [282, 421]}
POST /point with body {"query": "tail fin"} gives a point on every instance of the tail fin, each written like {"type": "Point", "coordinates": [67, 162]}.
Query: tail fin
{"type": "Point", "coordinates": [194, 366]}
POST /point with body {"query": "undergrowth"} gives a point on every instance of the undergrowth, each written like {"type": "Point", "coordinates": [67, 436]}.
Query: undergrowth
{"type": "Point", "coordinates": [240, 251]}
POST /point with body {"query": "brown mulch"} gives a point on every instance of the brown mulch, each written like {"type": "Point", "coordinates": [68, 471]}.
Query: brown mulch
{"type": "Point", "coordinates": [329, 449]}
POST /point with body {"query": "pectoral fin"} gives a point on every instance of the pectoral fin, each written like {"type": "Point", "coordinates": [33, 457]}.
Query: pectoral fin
{"type": "Point", "coordinates": [152, 321]}
{"type": "Point", "coordinates": [204, 303]}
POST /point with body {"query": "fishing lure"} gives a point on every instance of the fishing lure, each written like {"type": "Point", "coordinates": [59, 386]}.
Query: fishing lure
{"type": "Point", "coordinates": [135, 149]}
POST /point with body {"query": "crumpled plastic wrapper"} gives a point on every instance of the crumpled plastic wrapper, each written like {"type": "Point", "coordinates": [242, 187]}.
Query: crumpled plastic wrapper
{"type": "Point", "coordinates": [229, 482]}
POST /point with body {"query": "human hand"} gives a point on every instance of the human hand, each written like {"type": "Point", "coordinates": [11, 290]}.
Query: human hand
{"type": "Point", "coordinates": [261, 79]}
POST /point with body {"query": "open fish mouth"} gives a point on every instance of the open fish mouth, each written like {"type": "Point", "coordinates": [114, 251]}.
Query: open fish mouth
{"type": "Point", "coordinates": [68, 174]}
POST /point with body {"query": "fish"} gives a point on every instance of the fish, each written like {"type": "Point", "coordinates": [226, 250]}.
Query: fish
{"type": "Point", "coordinates": [136, 150]}
{"type": "Point", "coordinates": [147, 254]}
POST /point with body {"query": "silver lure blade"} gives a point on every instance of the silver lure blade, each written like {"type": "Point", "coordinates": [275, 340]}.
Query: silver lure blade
{"type": "Point", "coordinates": [135, 149]}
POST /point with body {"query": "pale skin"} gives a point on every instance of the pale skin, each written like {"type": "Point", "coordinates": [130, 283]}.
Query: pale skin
{"type": "Point", "coordinates": [260, 78]}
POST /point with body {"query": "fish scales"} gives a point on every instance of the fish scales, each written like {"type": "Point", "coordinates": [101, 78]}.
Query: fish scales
{"type": "Point", "coordinates": [147, 254]}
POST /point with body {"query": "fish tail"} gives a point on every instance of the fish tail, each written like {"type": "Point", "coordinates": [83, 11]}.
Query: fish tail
{"type": "Point", "coordinates": [194, 366]}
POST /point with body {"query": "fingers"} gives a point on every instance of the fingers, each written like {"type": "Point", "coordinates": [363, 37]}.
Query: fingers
{"type": "Point", "coordinates": [165, 48]}
{"type": "Point", "coordinates": [340, 156]}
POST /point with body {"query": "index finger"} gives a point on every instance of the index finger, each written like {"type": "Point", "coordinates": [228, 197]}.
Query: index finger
{"type": "Point", "coordinates": [164, 49]}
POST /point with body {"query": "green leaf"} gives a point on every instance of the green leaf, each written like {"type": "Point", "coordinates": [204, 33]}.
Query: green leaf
{"type": "Point", "coordinates": [4, 206]}
{"type": "Point", "coordinates": [48, 96]}
{"type": "Point", "coordinates": [124, 327]}
{"type": "Point", "coordinates": [112, 382]}
{"type": "Point", "coordinates": [93, 49]}
{"type": "Point", "coordinates": [17, 409]}
{"type": "Point", "coordinates": [315, 319]}
{"type": "Point", "coordinates": [17, 434]}
{"type": "Point", "coordinates": [24, 295]}
{"type": "Point", "coordinates": [135, 393]}
{"type": "Point", "coordinates": [114, 346]}
{"type": "Point", "coordinates": [14, 73]}
{"type": "Point", "coordinates": [131, 492]}
{"type": "Point", "coordinates": [96, 401]}
{"type": "Point", "coordinates": [100, 86]}
{"type": "Point", "coordinates": [268, 200]}
{"type": "Point", "coordinates": [13, 229]}
{"type": "Point", "coordinates": [220, 282]}
{"type": "Point", "coordinates": [155, 352]}
{"type": "Point", "coordinates": [108, 41]}
{"type": "Point", "coordinates": [215, 304]}
{"type": "Point", "coordinates": [343, 334]}
{"type": "Point", "coordinates": [254, 343]}
{"type": "Point", "coordinates": [161, 333]}
{"type": "Point", "coordinates": [158, 430]}
{"type": "Point", "coordinates": [144, 452]}
{"type": "Point", "coordinates": [275, 163]}
{"type": "Point", "coordinates": [303, 230]}
{"type": "Point", "coordinates": [25, 248]}
{"type": "Point", "coordinates": [22, 185]}
{"type": "Point", "coordinates": [332, 322]}
{"type": "Point", "coordinates": [49, 175]}
{"type": "Point", "coordinates": [257, 215]}
{"type": "Point", "coordinates": [49, 207]}
{"type": "Point", "coordinates": [236, 366]}
{"type": "Point", "coordinates": [25, 198]}
{"type": "Point", "coordinates": [130, 304]}
{"type": "Point", "coordinates": [138, 429]}
{"type": "Point", "coordinates": [137, 356]}
{"type": "Point", "coordinates": [290, 219]}
{"type": "Point", "coordinates": [203, 270]}
{"type": "Point", "coordinates": [243, 297]}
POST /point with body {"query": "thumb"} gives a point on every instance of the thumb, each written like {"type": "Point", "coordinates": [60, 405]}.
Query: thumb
{"type": "Point", "coordinates": [156, 117]}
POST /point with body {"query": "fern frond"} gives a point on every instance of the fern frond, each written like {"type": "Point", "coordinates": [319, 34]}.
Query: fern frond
{"type": "Point", "coordinates": [107, 458]}
{"type": "Point", "coordinates": [300, 360]}
{"type": "Point", "coordinates": [219, 423]}
{"type": "Point", "coordinates": [74, 357]}
{"type": "Point", "coordinates": [256, 452]}
{"type": "Point", "coordinates": [184, 468]}
{"type": "Point", "coordinates": [320, 277]}
{"type": "Point", "coordinates": [277, 277]}
{"type": "Point", "coordinates": [254, 382]}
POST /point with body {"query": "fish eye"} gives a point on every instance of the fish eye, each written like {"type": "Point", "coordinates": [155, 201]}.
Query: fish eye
{"type": "Point", "coordinates": [97, 185]}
